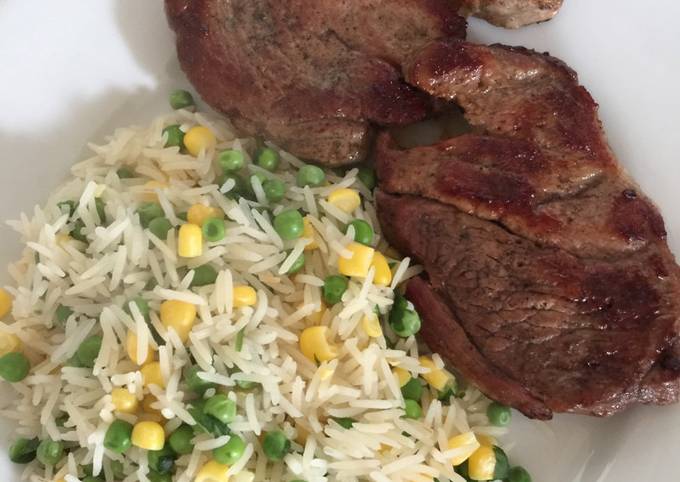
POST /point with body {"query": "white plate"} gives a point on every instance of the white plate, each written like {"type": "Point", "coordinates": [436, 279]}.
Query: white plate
{"type": "Point", "coordinates": [71, 70]}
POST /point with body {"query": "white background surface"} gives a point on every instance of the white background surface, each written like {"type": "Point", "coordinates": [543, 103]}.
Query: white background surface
{"type": "Point", "coordinates": [71, 70]}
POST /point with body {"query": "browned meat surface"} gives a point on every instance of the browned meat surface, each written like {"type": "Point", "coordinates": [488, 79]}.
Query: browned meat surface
{"type": "Point", "coordinates": [542, 257]}
{"type": "Point", "coordinates": [310, 75]}
{"type": "Point", "coordinates": [512, 13]}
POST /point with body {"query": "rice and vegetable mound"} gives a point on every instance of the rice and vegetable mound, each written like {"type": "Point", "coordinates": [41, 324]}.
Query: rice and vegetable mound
{"type": "Point", "coordinates": [193, 306]}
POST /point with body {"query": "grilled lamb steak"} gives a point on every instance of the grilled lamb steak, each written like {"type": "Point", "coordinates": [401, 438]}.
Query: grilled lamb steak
{"type": "Point", "coordinates": [550, 284]}
{"type": "Point", "coordinates": [511, 13]}
{"type": "Point", "coordinates": [311, 76]}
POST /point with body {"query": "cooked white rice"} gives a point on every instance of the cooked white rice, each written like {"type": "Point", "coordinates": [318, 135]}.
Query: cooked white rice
{"type": "Point", "coordinates": [123, 261]}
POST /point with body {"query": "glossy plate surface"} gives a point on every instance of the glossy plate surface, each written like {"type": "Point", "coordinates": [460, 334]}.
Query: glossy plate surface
{"type": "Point", "coordinates": [72, 70]}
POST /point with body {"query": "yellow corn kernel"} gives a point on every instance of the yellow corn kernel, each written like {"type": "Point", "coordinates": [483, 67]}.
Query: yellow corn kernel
{"type": "Point", "coordinates": [190, 241]}
{"type": "Point", "coordinates": [5, 303]}
{"type": "Point", "coordinates": [486, 440]}
{"type": "Point", "coordinates": [482, 463]}
{"type": "Point", "coordinates": [314, 344]}
{"type": "Point", "coordinates": [151, 373]}
{"type": "Point", "coordinates": [199, 213]}
{"type": "Point", "coordinates": [316, 316]}
{"type": "Point", "coordinates": [345, 199]}
{"type": "Point", "coordinates": [150, 191]}
{"type": "Point", "coordinates": [60, 480]}
{"type": "Point", "coordinates": [9, 343]}
{"type": "Point", "coordinates": [124, 401]}
{"type": "Point", "coordinates": [359, 263]}
{"type": "Point", "coordinates": [467, 444]}
{"type": "Point", "coordinates": [244, 296]}
{"type": "Point", "coordinates": [403, 376]}
{"type": "Point", "coordinates": [438, 378]}
{"type": "Point", "coordinates": [131, 347]}
{"type": "Point", "coordinates": [371, 325]}
{"type": "Point", "coordinates": [383, 274]}
{"type": "Point", "coordinates": [148, 436]}
{"type": "Point", "coordinates": [199, 138]}
{"type": "Point", "coordinates": [244, 476]}
{"type": "Point", "coordinates": [309, 233]}
{"type": "Point", "coordinates": [213, 472]}
{"type": "Point", "coordinates": [179, 316]}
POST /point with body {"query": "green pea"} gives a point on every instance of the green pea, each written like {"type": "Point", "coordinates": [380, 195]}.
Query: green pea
{"type": "Point", "coordinates": [519, 474]}
{"type": "Point", "coordinates": [181, 99]}
{"type": "Point", "coordinates": [412, 390]}
{"type": "Point", "coordinates": [181, 440]}
{"type": "Point", "coordinates": [363, 232]}
{"type": "Point", "coordinates": [412, 409]}
{"type": "Point", "coordinates": [403, 320]}
{"type": "Point", "coordinates": [239, 340]}
{"type": "Point", "coordinates": [125, 173]}
{"type": "Point", "coordinates": [344, 422]}
{"type": "Point", "coordinates": [213, 230]}
{"type": "Point", "coordinates": [196, 383]}
{"type": "Point", "coordinates": [23, 451]}
{"type": "Point", "coordinates": [160, 227]}
{"type": "Point", "coordinates": [101, 209]}
{"type": "Point", "coordinates": [297, 265]}
{"type": "Point", "coordinates": [334, 287]}
{"type": "Point", "coordinates": [240, 189]}
{"type": "Point", "coordinates": [142, 306]}
{"type": "Point", "coordinates": [206, 423]}
{"type": "Point", "coordinates": [88, 351]}
{"type": "Point", "coordinates": [204, 275]}
{"type": "Point", "coordinates": [274, 190]}
{"type": "Point", "coordinates": [77, 231]}
{"type": "Point", "coordinates": [275, 445]}
{"type": "Point", "coordinates": [118, 437]}
{"type": "Point", "coordinates": [67, 207]}
{"type": "Point", "coordinates": [502, 466]}
{"type": "Point", "coordinates": [230, 452]}
{"type": "Point", "coordinates": [231, 160]}
{"type": "Point", "coordinates": [499, 415]}
{"type": "Point", "coordinates": [162, 461]}
{"type": "Point", "coordinates": [267, 159]}
{"type": "Point", "coordinates": [154, 476]}
{"type": "Point", "coordinates": [148, 212]}
{"type": "Point", "coordinates": [175, 136]}
{"type": "Point", "coordinates": [220, 407]}
{"type": "Point", "coordinates": [367, 176]}
{"type": "Point", "coordinates": [261, 177]}
{"type": "Point", "coordinates": [63, 313]}
{"type": "Point", "coordinates": [14, 367]}
{"type": "Point", "coordinates": [310, 175]}
{"type": "Point", "coordinates": [49, 452]}
{"type": "Point", "coordinates": [289, 224]}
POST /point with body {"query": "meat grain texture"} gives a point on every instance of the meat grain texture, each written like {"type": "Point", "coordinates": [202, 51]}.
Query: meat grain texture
{"type": "Point", "coordinates": [511, 13]}
{"type": "Point", "coordinates": [314, 77]}
{"type": "Point", "coordinates": [550, 283]}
